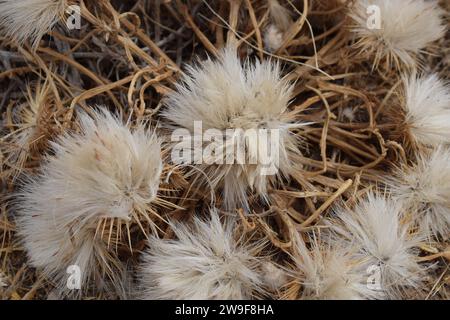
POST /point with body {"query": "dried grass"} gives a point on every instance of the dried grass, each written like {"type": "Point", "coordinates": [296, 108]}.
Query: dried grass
{"type": "Point", "coordinates": [128, 54]}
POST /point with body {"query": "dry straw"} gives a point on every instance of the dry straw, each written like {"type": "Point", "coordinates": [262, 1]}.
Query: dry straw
{"type": "Point", "coordinates": [314, 65]}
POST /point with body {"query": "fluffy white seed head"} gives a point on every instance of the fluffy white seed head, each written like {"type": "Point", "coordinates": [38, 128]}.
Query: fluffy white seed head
{"type": "Point", "coordinates": [329, 272]}
{"type": "Point", "coordinates": [406, 28]}
{"type": "Point", "coordinates": [427, 104]}
{"type": "Point", "coordinates": [87, 193]}
{"type": "Point", "coordinates": [226, 95]}
{"type": "Point", "coordinates": [205, 261]}
{"type": "Point", "coordinates": [375, 226]}
{"type": "Point", "coordinates": [425, 190]}
{"type": "Point", "coordinates": [30, 19]}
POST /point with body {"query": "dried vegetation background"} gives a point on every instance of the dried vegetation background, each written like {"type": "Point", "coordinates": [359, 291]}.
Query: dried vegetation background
{"type": "Point", "coordinates": [128, 55]}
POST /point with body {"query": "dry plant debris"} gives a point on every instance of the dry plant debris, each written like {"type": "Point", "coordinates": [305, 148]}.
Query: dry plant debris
{"type": "Point", "coordinates": [87, 177]}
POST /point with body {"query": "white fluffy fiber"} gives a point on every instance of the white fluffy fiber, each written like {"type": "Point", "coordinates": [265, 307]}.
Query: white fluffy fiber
{"type": "Point", "coordinates": [274, 277]}
{"type": "Point", "coordinates": [425, 190]}
{"type": "Point", "coordinates": [407, 27]}
{"type": "Point", "coordinates": [381, 237]}
{"type": "Point", "coordinates": [106, 172]}
{"type": "Point", "coordinates": [273, 38]}
{"type": "Point", "coordinates": [30, 19]}
{"type": "Point", "coordinates": [280, 21]}
{"type": "Point", "coordinates": [427, 104]}
{"type": "Point", "coordinates": [205, 261]}
{"type": "Point", "coordinates": [280, 16]}
{"type": "Point", "coordinates": [331, 272]}
{"type": "Point", "coordinates": [225, 94]}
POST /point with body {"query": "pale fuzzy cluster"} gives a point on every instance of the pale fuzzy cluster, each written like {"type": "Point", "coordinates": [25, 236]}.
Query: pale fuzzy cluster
{"type": "Point", "coordinates": [280, 21]}
{"type": "Point", "coordinates": [224, 94]}
{"type": "Point", "coordinates": [349, 113]}
{"type": "Point", "coordinates": [425, 190]}
{"type": "Point", "coordinates": [205, 261]}
{"type": "Point", "coordinates": [107, 175]}
{"type": "Point", "coordinates": [273, 38]}
{"type": "Point", "coordinates": [331, 272]}
{"type": "Point", "coordinates": [274, 277]}
{"type": "Point", "coordinates": [380, 236]}
{"type": "Point", "coordinates": [407, 27]}
{"type": "Point", "coordinates": [427, 104]}
{"type": "Point", "coordinates": [30, 19]}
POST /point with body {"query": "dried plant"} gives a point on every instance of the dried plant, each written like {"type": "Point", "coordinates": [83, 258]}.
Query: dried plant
{"type": "Point", "coordinates": [424, 187]}
{"type": "Point", "coordinates": [331, 271]}
{"type": "Point", "coordinates": [377, 228]}
{"type": "Point", "coordinates": [96, 182]}
{"type": "Point", "coordinates": [30, 19]}
{"type": "Point", "coordinates": [427, 118]}
{"type": "Point", "coordinates": [205, 261]}
{"type": "Point", "coordinates": [280, 21]}
{"type": "Point", "coordinates": [406, 28]}
{"type": "Point", "coordinates": [29, 123]}
{"type": "Point", "coordinates": [225, 94]}
{"type": "Point", "coordinates": [369, 113]}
